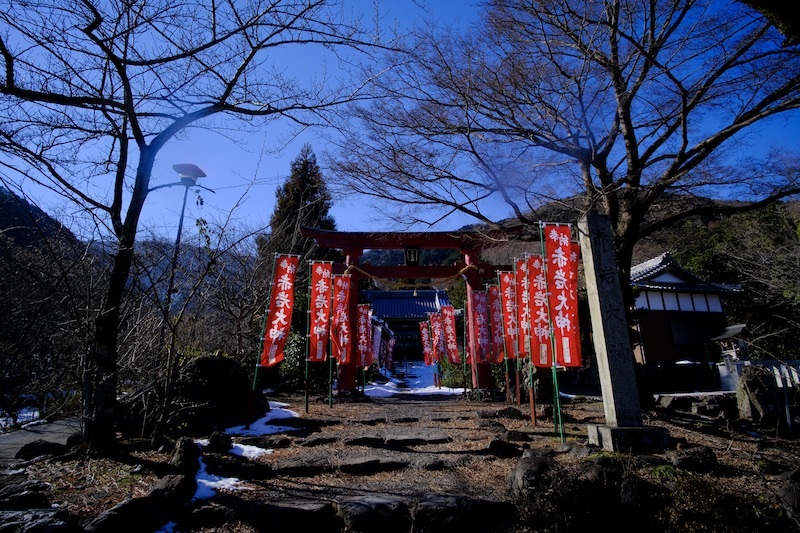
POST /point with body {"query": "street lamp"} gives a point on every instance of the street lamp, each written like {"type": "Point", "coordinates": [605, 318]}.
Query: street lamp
{"type": "Point", "coordinates": [189, 174]}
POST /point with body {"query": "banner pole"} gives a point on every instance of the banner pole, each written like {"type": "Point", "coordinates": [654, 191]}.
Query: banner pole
{"type": "Point", "coordinates": [464, 350]}
{"type": "Point", "coordinates": [530, 343]}
{"type": "Point", "coordinates": [263, 332]}
{"type": "Point", "coordinates": [508, 382]}
{"type": "Point", "coordinates": [475, 347]}
{"type": "Point", "coordinates": [330, 347]}
{"type": "Point", "coordinates": [503, 333]}
{"type": "Point", "coordinates": [330, 381]}
{"type": "Point", "coordinates": [308, 331]}
{"type": "Point", "coordinates": [558, 418]}
{"type": "Point", "coordinates": [520, 339]}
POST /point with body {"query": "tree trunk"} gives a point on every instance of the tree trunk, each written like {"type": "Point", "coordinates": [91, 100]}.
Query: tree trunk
{"type": "Point", "coordinates": [100, 374]}
{"type": "Point", "coordinates": [100, 371]}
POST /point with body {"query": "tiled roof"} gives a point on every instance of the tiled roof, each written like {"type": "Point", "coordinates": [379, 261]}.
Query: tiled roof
{"type": "Point", "coordinates": [643, 276]}
{"type": "Point", "coordinates": [406, 304]}
{"type": "Point", "coordinates": [653, 267]}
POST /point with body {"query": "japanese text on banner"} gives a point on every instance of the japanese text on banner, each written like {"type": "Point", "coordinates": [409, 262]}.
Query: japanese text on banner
{"type": "Point", "coordinates": [562, 279]}
{"type": "Point", "coordinates": [279, 316]}
{"type": "Point", "coordinates": [508, 297]}
{"type": "Point", "coordinates": [450, 338]}
{"type": "Point", "coordinates": [497, 350]}
{"type": "Point", "coordinates": [540, 339]}
{"type": "Point", "coordinates": [364, 332]}
{"type": "Point", "coordinates": [425, 337]}
{"type": "Point", "coordinates": [321, 279]}
{"type": "Point", "coordinates": [340, 326]}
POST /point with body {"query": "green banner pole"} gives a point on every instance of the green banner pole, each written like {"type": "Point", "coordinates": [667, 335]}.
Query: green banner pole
{"type": "Point", "coordinates": [330, 381]}
{"type": "Point", "coordinates": [308, 333]}
{"type": "Point", "coordinates": [262, 332]}
{"type": "Point", "coordinates": [558, 418]}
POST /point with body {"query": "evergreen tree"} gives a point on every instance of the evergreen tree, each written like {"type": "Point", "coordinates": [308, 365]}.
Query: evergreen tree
{"type": "Point", "coordinates": [303, 200]}
{"type": "Point", "coordinates": [761, 251]}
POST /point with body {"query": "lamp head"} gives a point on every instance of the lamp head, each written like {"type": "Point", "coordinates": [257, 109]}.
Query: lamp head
{"type": "Point", "coordinates": [188, 173]}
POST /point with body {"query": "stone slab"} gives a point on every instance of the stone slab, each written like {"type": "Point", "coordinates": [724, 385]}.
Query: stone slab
{"type": "Point", "coordinates": [638, 439]}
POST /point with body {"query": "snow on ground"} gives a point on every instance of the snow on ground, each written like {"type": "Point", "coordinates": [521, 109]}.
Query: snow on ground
{"type": "Point", "coordinates": [27, 417]}
{"type": "Point", "coordinates": [412, 377]}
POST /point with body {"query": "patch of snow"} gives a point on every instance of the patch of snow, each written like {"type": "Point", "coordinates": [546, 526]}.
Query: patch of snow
{"type": "Point", "coordinates": [250, 452]}
{"type": "Point", "coordinates": [208, 484]}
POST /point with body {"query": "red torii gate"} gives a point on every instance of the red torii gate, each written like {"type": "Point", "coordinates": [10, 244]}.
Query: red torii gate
{"type": "Point", "coordinates": [469, 243]}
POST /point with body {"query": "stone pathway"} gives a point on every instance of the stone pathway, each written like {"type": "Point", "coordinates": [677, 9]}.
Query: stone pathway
{"type": "Point", "coordinates": [57, 431]}
{"type": "Point", "coordinates": [388, 464]}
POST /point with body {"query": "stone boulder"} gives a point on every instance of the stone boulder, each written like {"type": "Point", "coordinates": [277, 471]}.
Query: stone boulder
{"type": "Point", "coordinates": [36, 520]}
{"type": "Point", "coordinates": [212, 394]}
{"type": "Point", "coordinates": [531, 474]}
{"type": "Point", "coordinates": [375, 513]}
{"type": "Point", "coordinates": [696, 459]}
{"type": "Point", "coordinates": [26, 494]}
{"type": "Point", "coordinates": [39, 448]}
{"type": "Point", "coordinates": [150, 512]}
{"type": "Point", "coordinates": [758, 397]}
{"type": "Point", "coordinates": [444, 512]}
{"type": "Point", "coordinates": [186, 456]}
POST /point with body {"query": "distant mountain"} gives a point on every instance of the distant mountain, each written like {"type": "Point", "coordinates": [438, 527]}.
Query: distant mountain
{"type": "Point", "coordinates": [26, 224]}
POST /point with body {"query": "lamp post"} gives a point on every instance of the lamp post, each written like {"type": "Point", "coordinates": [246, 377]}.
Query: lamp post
{"type": "Point", "coordinates": [189, 175]}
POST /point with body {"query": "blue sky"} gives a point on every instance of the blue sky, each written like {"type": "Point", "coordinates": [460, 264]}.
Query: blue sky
{"type": "Point", "coordinates": [245, 172]}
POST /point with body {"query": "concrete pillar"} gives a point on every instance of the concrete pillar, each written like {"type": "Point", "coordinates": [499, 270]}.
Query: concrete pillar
{"type": "Point", "coordinates": [624, 429]}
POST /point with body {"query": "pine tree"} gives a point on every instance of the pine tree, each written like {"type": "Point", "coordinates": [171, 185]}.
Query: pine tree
{"type": "Point", "coordinates": [303, 200]}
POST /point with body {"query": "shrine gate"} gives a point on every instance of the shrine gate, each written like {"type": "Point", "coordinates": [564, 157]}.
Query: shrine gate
{"type": "Point", "coordinates": [476, 273]}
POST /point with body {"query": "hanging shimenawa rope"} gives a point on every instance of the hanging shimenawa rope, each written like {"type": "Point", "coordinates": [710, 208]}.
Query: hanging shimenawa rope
{"type": "Point", "coordinates": [409, 285]}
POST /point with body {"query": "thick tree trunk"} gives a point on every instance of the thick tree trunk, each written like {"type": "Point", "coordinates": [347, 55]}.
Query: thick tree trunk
{"type": "Point", "coordinates": [100, 373]}
{"type": "Point", "coordinates": [100, 369]}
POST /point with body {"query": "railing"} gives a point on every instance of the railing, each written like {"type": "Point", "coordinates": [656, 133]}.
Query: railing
{"type": "Point", "coordinates": [786, 373]}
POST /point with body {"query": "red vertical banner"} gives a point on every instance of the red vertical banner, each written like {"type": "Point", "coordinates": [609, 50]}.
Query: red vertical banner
{"type": "Point", "coordinates": [364, 336]}
{"type": "Point", "coordinates": [479, 303]}
{"type": "Point", "coordinates": [562, 293]}
{"type": "Point", "coordinates": [425, 337]}
{"type": "Point", "coordinates": [576, 357]}
{"type": "Point", "coordinates": [437, 336]}
{"type": "Point", "coordinates": [508, 299]}
{"type": "Point", "coordinates": [450, 338]}
{"type": "Point", "coordinates": [542, 349]}
{"type": "Point", "coordinates": [340, 326]}
{"type": "Point", "coordinates": [320, 310]}
{"type": "Point", "coordinates": [497, 349]}
{"type": "Point", "coordinates": [523, 311]}
{"type": "Point", "coordinates": [279, 316]}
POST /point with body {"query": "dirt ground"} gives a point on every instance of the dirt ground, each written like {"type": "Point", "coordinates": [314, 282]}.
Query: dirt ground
{"type": "Point", "coordinates": [451, 452]}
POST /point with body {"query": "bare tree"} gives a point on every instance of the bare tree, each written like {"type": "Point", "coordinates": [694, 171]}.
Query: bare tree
{"type": "Point", "coordinates": [92, 91]}
{"type": "Point", "coordinates": [637, 108]}
{"type": "Point", "coordinates": [46, 278]}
